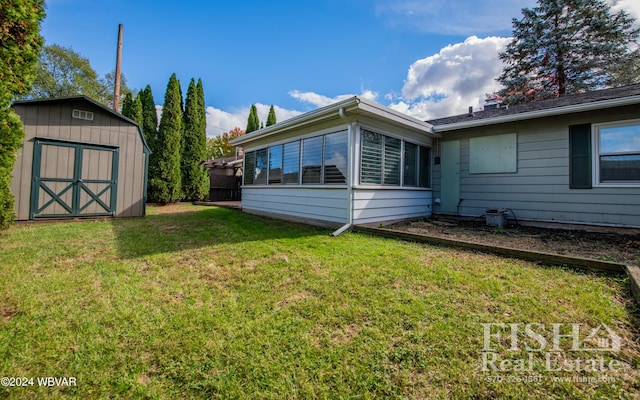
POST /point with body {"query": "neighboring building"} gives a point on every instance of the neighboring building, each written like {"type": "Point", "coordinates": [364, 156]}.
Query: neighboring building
{"type": "Point", "coordinates": [225, 178]}
{"type": "Point", "coordinates": [79, 159]}
{"type": "Point", "coordinates": [351, 162]}
{"type": "Point", "coordinates": [572, 159]}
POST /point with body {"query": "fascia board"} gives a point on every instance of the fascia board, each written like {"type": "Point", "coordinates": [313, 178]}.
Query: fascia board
{"type": "Point", "coordinates": [625, 101]}
{"type": "Point", "coordinates": [310, 117]}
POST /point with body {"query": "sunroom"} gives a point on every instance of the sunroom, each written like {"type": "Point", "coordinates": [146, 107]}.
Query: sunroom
{"type": "Point", "coordinates": [352, 162]}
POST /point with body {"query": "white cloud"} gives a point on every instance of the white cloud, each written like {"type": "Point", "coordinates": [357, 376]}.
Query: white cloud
{"type": "Point", "coordinates": [319, 100]}
{"type": "Point", "coordinates": [219, 121]}
{"type": "Point", "coordinates": [449, 82]}
{"type": "Point", "coordinates": [630, 6]}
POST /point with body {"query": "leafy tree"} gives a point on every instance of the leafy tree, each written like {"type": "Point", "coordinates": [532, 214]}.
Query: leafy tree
{"type": "Point", "coordinates": [271, 118]}
{"type": "Point", "coordinates": [20, 44]}
{"type": "Point", "coordinates": [195, 180]}
{"type": "Point", "coordinates": [253, 122]}
{"type": "Point", "coordinates": [567, 46]}
{"type": "Point", "coordinates": [62, 72]}
{"type": "Point", "coordinates": [166, 186]}
{"type": "Point", "coordinates": [219, 147]}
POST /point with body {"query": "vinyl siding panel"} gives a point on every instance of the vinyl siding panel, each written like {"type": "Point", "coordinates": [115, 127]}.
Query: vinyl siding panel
{"type": "Point", "coordinates": [303, 204]}
{"type": "Point", "coordinates": [378, 205]}
{"type": "Point", "coordinates": [539, 190]}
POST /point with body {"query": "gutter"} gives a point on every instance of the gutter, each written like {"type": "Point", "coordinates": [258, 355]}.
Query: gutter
{"type": "Point", "coordinates": [350, 136]}
{"type": "Point", "coordinates": [595, 105]}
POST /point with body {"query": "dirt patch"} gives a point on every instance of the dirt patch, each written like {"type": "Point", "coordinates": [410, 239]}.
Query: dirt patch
{"type": "Point", "coordinates": [606, 246]}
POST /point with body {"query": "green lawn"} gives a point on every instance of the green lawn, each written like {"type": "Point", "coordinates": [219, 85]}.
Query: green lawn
{"type": "Point", "coordinates": [197, 302]}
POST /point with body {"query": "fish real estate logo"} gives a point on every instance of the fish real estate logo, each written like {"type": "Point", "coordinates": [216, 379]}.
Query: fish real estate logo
{"type": "Point", "coordinates": [558, 347]}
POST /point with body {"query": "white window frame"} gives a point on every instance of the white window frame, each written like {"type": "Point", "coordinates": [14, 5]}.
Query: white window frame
{"type": "Point", "coordinates": [595, 140]}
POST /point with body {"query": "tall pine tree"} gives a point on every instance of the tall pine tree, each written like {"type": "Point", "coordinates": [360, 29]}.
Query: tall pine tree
{"type": "Point", "coordinates": [568, 46]}
{"type": "Point", "coordinates": [271, 118]}
{"type": "Point", "coordinates": [166, 185]}
{"type": "Point", "coordinates": [149, 117]}
{"type": "Point", "coordinates": [127, 103]}
{"type": "Point", "coordinates": [253, 122]}
{"type": "Point", "coordinates": [20, 44]}
{"type": "Point", "coordinates": [195, 180]}
{"type": "Point", "coordinates": [136, 111]}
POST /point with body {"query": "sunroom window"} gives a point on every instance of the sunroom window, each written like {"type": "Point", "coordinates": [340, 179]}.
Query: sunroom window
{"type": "Point", "coordinates": [382, 161]}
{"type": "Point", "coordinates": [617, 158]}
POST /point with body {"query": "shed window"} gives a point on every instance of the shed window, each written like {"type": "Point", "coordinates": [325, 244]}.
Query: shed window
{"type": "Point", "coordinates": [81, 114]}
{"type": "Point", "coordinates": [617, 158]}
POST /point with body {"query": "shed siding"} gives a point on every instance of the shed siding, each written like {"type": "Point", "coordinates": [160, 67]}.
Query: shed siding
{"type": "Point", "coordinates": [539, 190]}
{"type": "Point", "coordinates": [378, 205]}
{"type": "Point", "coordinates": [304, 204]}
{"type": "Point", "coordinates": [53, 121]}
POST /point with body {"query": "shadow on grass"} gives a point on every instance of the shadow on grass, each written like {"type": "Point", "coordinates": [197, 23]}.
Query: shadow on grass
{"type": "Point", "coordinates": [193, 229]}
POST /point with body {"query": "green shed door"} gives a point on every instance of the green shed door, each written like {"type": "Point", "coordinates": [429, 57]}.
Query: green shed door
{"type": "Point", "coordinates": [73, 180]}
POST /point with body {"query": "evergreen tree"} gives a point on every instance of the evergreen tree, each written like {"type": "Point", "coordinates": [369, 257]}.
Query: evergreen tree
{"type": "Point", "coordinates": [271, 118]}
{"type": "Point", "coordinates": [127, 103]}
{"type": "Point", "coordinates": [149, 117]}
{"type": "Point", "coordinates": [567, 46]}
{"type": "Point", "coordinates": [195, 180]}
{"type": "Point", "coordinates": [165, 185]}
{"type": "Point", "coordinates": [136, 111]}
{"type": "Point", "coordinates": [20, 44]}
{"type": "Point", "coordinates": [253, 123]}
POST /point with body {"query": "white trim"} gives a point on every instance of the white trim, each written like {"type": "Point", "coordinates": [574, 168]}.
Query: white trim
{"type": "Point", "coordinates": [595, 159]}
{"type": "Point", "coordinates": [355, 105]}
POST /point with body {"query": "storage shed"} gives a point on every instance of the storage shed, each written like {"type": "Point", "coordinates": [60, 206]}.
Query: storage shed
{"type": "Point", "coordinates": [79, 159]}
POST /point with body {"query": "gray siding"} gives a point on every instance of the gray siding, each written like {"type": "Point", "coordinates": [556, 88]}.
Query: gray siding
{"type": "Point", "coordinates": [378, 205]}
{"type": "Point", "coordinates": [52, 120]}
{"type": "Point", "coordinates": [539, 190]}
{"type": "Point", "coordinates": [313, 205]}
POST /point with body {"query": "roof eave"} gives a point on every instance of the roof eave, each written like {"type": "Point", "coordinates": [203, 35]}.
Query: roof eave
{"type": "Point", "coordinates": [299, 120]}
{"type": "Point", "coordinates": [331, 111]}
{"type": "Point", "coordinates": [624, 101]}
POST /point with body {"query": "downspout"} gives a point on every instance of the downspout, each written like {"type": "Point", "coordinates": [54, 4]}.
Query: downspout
{"type": "Point", "coordinates": [350, 140]}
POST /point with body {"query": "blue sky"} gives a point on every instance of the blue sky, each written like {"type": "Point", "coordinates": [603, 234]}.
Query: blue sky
{"type": "Point", "coordinates": [428, 58]}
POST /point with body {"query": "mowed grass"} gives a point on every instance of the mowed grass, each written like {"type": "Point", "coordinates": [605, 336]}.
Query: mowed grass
{"type": "Point", "coordinates": [197, 302]}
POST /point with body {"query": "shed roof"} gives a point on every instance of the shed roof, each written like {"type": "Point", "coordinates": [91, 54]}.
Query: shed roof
{"type": "Point", "coordinates": [82, 98]}
{"type": "Point", "coordinates": [588, 101]}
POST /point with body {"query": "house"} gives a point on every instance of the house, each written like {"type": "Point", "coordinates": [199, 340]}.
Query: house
{"type": "Point", "coordinates": [351, 162]}
{"type": "Point", "coordinates": [573, 159]}
{"type": "Point", "coordinates": [225, 178]}
{"type": "Point", "coordinates": [78, 159]}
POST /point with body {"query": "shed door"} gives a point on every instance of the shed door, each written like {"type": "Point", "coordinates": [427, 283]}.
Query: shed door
{"type": "Point", "coordinates": [73, 180]}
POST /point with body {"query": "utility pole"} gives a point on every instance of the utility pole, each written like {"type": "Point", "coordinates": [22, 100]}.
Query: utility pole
{"type": "Point", "coordinates": [116, 86]}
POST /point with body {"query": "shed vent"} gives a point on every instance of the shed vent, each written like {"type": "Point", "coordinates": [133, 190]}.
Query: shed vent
{"type": "Point", "coordinates": [80, 114]}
